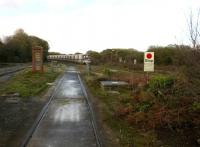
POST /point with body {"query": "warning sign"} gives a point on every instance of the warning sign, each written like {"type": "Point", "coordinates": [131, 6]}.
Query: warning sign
{"type": "Point", "coordinates": [149, 61]}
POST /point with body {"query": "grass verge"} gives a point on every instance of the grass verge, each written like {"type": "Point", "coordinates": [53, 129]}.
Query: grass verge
{"type": "Point", "coordinates": [28, 84]}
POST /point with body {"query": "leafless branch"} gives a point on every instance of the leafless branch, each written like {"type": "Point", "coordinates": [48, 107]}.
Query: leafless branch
{"type": "Point", "coordinates": [194, 29]}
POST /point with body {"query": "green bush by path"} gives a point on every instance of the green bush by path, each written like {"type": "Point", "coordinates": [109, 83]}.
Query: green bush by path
{"type": "Point", "coordinates": [160, 82]}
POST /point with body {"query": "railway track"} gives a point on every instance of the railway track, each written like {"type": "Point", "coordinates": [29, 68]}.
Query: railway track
{"type": "Point", "coordinates": [80, 119]}
{"type": "Point", "coordinates": [6, 71]}
{"type": "Point", "coordinates": [40, 116]}
{"type": "Point", "coordinates": [94, 124]}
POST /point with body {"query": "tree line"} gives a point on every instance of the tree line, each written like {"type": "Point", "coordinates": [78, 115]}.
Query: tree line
{"type": "Point", "coordinates": [115, 56]}
{"type": "Point", "coordinates": [177, 55]}
{"type": "Point", "coordinates": [18, 47]}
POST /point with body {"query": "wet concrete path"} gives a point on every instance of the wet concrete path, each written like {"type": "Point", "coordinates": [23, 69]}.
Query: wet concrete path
{"type": "Point", "coordinates": [67, 122]}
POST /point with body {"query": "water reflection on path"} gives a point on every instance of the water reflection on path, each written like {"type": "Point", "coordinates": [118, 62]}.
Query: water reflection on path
{"type": "Point", "coordinates": [67, 122]}
{"type": "Point", "coordinates": [72, 111]}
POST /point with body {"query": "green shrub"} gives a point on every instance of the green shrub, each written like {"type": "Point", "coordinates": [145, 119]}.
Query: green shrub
{"type": "Point", "coordinates": [196, 106]}
{"type": "Point", "coordinates": [108, 73]}
{"type": "Point", "coordinates": [160, 82]}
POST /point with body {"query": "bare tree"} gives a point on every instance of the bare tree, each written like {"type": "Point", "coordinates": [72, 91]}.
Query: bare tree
{"type": "Point", "coordinates": [194, 29]}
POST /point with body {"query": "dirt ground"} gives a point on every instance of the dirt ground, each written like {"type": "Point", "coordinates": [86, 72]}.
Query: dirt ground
{"type": "Point", "coordinates": [17, 115]}
{"type": "Point", "coordinates": [15, 120]}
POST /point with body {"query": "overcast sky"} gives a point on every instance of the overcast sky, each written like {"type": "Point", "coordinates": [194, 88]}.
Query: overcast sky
{"type": "Point", "coordinates": [80, 25]}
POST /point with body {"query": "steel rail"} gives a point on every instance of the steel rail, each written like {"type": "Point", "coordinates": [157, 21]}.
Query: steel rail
{"type": "Point", "coordinates": [91, 111]}
{"type": "Point", "coordinates": [12, 71]}
{"type": "Point", "coordinates": [40, 116]}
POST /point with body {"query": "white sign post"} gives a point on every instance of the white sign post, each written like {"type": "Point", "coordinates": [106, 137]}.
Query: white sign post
{"type": "Point", "coordinates": [88, 66]}
{"type": "Point", "coordinates": [135, 61]}
{"type": "Point", "coordinates": [149, 61]}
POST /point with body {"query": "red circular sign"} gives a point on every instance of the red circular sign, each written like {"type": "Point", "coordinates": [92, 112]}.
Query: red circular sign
{"type": "Point", "coordinates": [149, 56]}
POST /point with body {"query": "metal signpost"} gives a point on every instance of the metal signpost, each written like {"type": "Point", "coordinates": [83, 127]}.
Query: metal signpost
{"type": "Point", "coordinates": [134, 63]}
{"type": "Point", "coordinates": [148, 63]}
{"type": "Point", "coordinates": [37, 59]}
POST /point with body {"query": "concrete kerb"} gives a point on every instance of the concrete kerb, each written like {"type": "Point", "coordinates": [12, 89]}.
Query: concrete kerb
{"type": "Point", "coordinates": [91, 111]}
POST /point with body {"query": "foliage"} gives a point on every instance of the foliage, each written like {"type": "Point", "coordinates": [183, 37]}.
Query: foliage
{"type": "Point", "coordinates": [167, 102]}
{"type": "Point", "coordinates": [171, 55]}
{"type": "Point", "coordinates": [196, 106]}
{"type": "Point", "coordinates": [35, 41]}
{"type": "Point", "coordinates": [113, 112]}
{"type": "Point", "coordinates": [124, 57]}
{"type": "Point", "coordinates": [160, 82]}
{"type": "Point", "coordinates": [177, 55]}
{"type": "Point", "coordinates": [108, 72]}
{"type": "Point", "coordinates": [95, 57]}
{"type": "Point", "coordinates": [18, 47]}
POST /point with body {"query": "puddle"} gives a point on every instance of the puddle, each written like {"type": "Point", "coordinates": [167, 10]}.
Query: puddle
{"type": "Point", "coordinates": [73, 71]}
{"type": "Point", "coordinates": [71, 81]}
{"type": "Point", "coordinates": [71, 68]}
{"type": "Point", "coordinates": [70, 112]}
{"type": "Point", "coordinates": [70, 90]}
